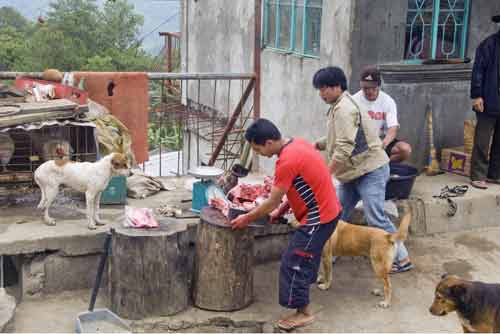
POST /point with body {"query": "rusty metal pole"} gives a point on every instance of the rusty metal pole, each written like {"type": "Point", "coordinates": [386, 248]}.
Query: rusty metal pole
{"type": "Point", "coordinates": [169, 53]}
{"type": "Point", "coordinates": [256, 66]}
{"type": "Point", "coordinates": [230, 124]}
{"type": "Point", "coordinates": [256, 58]}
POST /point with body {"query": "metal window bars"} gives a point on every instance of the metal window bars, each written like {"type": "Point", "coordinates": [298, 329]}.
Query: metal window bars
{"type": "Point", "coordinates": [436, 29]}
{"type": "Point", "coordinates": [293, 26]}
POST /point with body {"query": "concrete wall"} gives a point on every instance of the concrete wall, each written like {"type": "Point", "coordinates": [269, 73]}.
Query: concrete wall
{"type": "Point", "coordinates": [355, 33]}
{"type": "Point", "coordinates": [221, 36]}
{"type": "Point", "coordinates": [450, 107]}
{"type": "Point", "coordinates": [217, 36]}
{"type": "Point", "coordinates": [220, 39]}
{"type": "Point", "coordinates": [480, 25]}
{"type": "Point", "coordinates": [53, 272]}
{"type": "Point", "coordinates": [288, 97]}
{"type": "Point", "coordinates": [379, 37]}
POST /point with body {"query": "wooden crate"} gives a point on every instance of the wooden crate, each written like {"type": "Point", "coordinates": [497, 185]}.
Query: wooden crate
{"type": "Point", "coordinates": [455, 160]}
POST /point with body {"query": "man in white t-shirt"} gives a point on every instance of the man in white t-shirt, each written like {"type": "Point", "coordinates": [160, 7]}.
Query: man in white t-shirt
{"type": "Point", "coordinates": [382, 110]}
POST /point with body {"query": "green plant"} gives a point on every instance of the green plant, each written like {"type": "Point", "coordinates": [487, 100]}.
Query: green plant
{"type": "Point", "coordinates": [169, 136]}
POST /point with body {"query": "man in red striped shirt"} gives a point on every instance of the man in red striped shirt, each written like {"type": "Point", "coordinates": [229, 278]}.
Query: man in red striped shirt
{"type": "Point", "coordinates": [303, 176]}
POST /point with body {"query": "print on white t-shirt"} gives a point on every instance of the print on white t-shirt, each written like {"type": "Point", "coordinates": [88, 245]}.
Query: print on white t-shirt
{"type": "Point", "coordinates": [382, 111]}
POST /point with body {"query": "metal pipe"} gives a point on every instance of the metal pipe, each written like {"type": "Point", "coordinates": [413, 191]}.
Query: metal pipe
{"type": "Point", "coordinates": [199, 76]}
{"type": "Point", "coordinates": [256, 58]}
{"type": "Point", "coordinates": [231, 122]}
{"type": "Point", "coordinates": [169, 53]}
{"type": "Point", "coordinates": [152, 76]}
{"type": "Point", "coordinates": [198, 125]}
{"type": "Point", "coordinates": [2, 291]}
{"type": "Point", "coordinates": [13, 75]}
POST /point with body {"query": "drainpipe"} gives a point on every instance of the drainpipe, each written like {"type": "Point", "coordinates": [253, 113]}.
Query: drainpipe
{"type": "Point", "coordinates": [256, 57]}
{"type": "Point", "coordinates": [256, 68]}
{"type": "Point", "coordinates": [186, 158]}
{"type": "Point", "coordinates": [185, 33]}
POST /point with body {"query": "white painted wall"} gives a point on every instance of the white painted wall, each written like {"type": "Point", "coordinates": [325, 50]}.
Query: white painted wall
{"type": "Point", "coordinates": [220, 37]}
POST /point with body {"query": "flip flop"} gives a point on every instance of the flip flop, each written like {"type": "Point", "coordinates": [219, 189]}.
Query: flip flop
{"type": "Point", "coordinates": [289, 325]}
{"type": "Point", "coordinates": [479, 184]}
{"type": "Point", "coordinates": [397, 268]}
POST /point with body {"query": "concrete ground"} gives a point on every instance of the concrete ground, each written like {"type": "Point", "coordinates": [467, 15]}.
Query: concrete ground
{"type": "Point", "coordinates": [465, 244]}
{"type": "Point", "coordinates": [22, 230]}
{"type": "Point", "coordinates": [347, 307]}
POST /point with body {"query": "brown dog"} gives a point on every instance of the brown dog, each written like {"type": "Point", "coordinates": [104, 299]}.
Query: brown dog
{"type": "Point", "coordinates": [477, 304]}
{"type": "Point", "coordinates": [354, 240]}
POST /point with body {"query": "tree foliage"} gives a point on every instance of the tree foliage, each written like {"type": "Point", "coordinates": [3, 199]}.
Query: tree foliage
{"type": "Point", "coordinates": [9, 17]}
{"type": "Point", "coordinates": [75, 35]}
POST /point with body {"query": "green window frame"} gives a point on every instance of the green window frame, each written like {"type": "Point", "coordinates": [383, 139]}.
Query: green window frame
{"type": "Point", "coordinates": [436, 29]}
{"type": "Point", "coordinates": [293, 26]}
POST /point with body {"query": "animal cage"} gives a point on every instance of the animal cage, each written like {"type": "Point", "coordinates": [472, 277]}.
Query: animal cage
{"type": "Point", "coordinates": [33, 144]}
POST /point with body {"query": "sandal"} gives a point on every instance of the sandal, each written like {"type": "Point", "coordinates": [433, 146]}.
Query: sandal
{"type": "Point", "coordinates": [479, 184]}
{"type": "Point", "coordinates": [398, 268]}
{"type": "Point", "coordinates": [290, 324]}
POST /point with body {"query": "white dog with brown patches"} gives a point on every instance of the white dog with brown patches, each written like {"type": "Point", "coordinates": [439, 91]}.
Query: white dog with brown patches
{"type": "Point", "coordinates": [90, 178]}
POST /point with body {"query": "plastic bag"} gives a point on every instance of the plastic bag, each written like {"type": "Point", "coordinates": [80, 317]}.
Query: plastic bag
{"type": "Point", "coordinates": [140, 185]}
{"type": "Point", "coordinates": [139, 218]}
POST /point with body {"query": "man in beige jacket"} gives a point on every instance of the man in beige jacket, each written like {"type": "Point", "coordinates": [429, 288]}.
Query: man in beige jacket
{"type": "Point", "coordinates": [355, 156]}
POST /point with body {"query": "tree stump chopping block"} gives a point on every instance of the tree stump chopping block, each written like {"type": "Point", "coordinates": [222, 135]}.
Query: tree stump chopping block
{"type": "Point", "coordinates": [223, 275]}
{"type": "Point", "coordinates": [150, 271]}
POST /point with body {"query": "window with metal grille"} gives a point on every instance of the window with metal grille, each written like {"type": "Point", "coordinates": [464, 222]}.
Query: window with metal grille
{"type": "Point", "coordinates": [436, 29]}
{"type": "Point", "coordinates": [293, 26]}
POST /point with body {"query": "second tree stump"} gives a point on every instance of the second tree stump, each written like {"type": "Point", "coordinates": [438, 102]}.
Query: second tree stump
{"type": "Point", "coordinates": [223, 279]}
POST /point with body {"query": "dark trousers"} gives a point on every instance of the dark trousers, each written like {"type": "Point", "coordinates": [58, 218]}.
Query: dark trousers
{"type": "Point", "coordinates": [481, 166]}
{"type": "Point", "coordinates": [300, 263]}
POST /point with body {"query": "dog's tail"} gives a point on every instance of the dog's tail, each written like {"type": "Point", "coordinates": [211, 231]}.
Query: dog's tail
{"type": "Point", "coordinates": [402, 232]}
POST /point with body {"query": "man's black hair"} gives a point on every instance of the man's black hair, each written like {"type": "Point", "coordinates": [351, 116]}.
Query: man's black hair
{"type": "Point", "coordinates": [262, 130]}
{"type": "Point", "coordinates": [330, 76]}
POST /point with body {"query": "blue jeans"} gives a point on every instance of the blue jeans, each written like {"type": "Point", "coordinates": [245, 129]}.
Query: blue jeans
{"type": "Point", "coordinates": [370, 188]}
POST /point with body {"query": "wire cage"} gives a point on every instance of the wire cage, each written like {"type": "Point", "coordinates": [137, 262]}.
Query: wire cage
{"type": "Point", "coordinates": [24, 148]}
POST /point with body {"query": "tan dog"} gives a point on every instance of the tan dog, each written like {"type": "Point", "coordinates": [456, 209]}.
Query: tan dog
{"type": "Point", "coordinates": [355, 240]}
{"type": "Point", "coordinates": [476, 303]}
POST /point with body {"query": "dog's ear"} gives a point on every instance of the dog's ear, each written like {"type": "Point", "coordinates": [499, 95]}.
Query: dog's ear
{"type": "Point", "coordinates": [458, 293]}
{"type": "Point", "coordinates": [461, 296]}
{"type": "Point", "coordinates": [458, 290]}
{"type": "Point", "coordinates": [444, 275]}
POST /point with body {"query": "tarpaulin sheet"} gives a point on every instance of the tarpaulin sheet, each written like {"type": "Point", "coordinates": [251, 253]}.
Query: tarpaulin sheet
{"type": "Point", "coordinates": [129, 102]}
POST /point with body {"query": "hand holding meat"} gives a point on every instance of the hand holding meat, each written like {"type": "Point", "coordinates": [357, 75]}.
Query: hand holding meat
{"type": "Point", "coordinates": [240, 222]}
